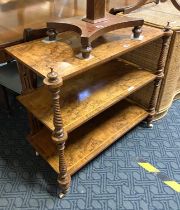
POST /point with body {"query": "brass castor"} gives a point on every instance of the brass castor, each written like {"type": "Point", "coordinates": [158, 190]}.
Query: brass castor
{"type": "Point", "coordinates": [150, 125]}
{"type": "Point", "coordinates": [37, 154]}
{"type": "Point", "coordinates": [63, 194]}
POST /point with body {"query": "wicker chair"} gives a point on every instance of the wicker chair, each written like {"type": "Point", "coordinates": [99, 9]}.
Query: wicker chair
{"type": "Point", "coordinates": [158, 16]}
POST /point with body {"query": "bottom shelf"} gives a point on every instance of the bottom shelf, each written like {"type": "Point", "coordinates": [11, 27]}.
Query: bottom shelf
{"type": "Point", "coordinates": [89, 140]}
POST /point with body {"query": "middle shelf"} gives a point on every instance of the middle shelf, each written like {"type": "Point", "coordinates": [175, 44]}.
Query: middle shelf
{"type": "Point", "coordinates": [90, 139]}
{"type": "Point", "coordinates": [88, 94]}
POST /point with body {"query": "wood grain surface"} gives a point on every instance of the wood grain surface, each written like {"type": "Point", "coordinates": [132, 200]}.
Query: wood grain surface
{"type": "Point", "coordinates": [92, 138]}
{"type": "Point", "coordinates": [88, 94]}
{"type": "Point", "coordinates": [39, 56]}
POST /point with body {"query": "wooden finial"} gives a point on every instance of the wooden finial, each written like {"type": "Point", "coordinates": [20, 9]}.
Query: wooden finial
{"type": "Point", "coordinates": [52, 75]}
{"type": "Point", "coordinates": [53, 78]}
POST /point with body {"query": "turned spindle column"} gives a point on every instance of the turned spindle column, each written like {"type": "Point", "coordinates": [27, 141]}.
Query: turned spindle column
{"type": "Point", "coordinates": [95, 11]}
{"type": "Point", "coordinates": [160, 74]}
{"type": "Point", "coordinates": [59, 136]}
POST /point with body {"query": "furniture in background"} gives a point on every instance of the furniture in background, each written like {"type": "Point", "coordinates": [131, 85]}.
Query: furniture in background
{"type": "Point", "coordinates": [176, 3]}
{"type": "Point", "coordinates": [9, 78]}
{"type": "Point", "coordinates": [14, 17]}
{"type": "Point", "coordinates": [96, 23]}
{"type": "Point", "coordinates": [9, 75]}
{"type": "Point", "coordinates": [80, 108]}
{"type": "Point", "coordinates": [130, 8]}
{"type": "Point", "coordinates": [146, 56]}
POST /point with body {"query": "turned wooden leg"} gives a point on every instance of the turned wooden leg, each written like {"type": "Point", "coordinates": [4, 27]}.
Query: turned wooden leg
{"type": "Point", "coordinates": [59, 136]}
{"type": "Point", "coordinates": [153, 101]}
{"type": "Point", "coordinates": [64, 179]}
{"type": "Point", "coordinates": [137, 30]}
{"type": "Point", "coordinates": [160, 74]}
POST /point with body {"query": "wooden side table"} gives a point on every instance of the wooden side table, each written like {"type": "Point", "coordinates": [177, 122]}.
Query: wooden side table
{"type": "Point", "coordinates": [83, 106]}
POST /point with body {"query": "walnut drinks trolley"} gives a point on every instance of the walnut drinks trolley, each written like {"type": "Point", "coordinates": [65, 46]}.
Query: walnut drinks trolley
{"type": "Point", "coordinates": [83, 108]}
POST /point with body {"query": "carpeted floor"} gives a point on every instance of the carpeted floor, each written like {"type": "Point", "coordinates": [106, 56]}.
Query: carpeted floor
{"type": "Point", "coordinates": [113, 181]}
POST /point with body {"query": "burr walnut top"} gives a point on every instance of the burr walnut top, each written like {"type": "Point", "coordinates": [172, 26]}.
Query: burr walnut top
{"type": "Point", "coordinates": [86, 143]}
{"type": "Point", "coordinates": [38, 55]}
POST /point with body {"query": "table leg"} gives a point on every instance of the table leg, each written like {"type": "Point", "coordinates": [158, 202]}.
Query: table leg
{"type": "Point", "coordinates": [160, 74]}
{"type": "Point", "coordinates": [59, 135]}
